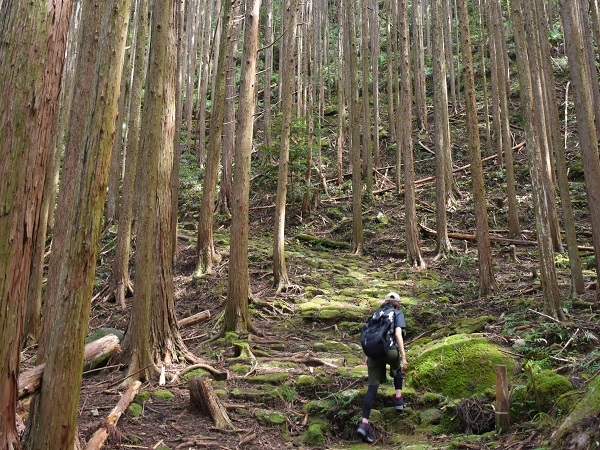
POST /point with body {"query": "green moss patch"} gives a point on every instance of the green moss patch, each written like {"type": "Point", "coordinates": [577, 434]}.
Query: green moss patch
{"type": "Point", "coordinates": [142, 397]}
{"type": "Point", "coordinates": [447, 366]}
{"type": "Point", "coordinates": [134, 410]}
{"type": "Point", "coordinates": [164, 395]}
{"type": "Point", "coordinates": [315, 435]}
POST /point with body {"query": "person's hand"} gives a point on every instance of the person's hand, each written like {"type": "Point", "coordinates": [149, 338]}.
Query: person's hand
{"type": "Point", "coordinates": [404, 364]}
{"type": "Point", "coordinates": [366, 360]}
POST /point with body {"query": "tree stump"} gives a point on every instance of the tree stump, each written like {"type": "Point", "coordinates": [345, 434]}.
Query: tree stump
{"type": "Point", "coordinates": [204, 399]}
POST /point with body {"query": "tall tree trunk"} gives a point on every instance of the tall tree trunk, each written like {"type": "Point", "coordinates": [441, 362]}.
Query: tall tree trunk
{"type": "Point", "coordinates": [504, 141]}
{"type": "Point", "coordinates": [542, 220]}
{"type": "Point", "coordinates": [204, 77]}
{"type": "Point", "coordinates": [484, 251]}
{"type": "Point", "coordinates": [413, 250]}
{"type": "Point", "coordinates": [310, 122]}
{"type": "Point", "coordinates": [207, 254]}
{"type": "Point", "coordinates": [373, 14]}
{"type": "Point", "coordinates": [391, 74]}
{"type": "Point", "coordinates": [342, 94]}
{"type": "Point", "coordinates": [177, 134]}
{"type": "Point", "coordinates": [269, 38]}
{"type": "Point", "coordinates": [190, 63]}
{"type": "Point", "coordinates": [237, 316]}
{"type": "Point", "coordinates": [367, 151]}
{"type": "Point", "coordinates": [156, 132]}
{"type": "Point", "coordinates": [53, 420]}
{"type": "Point", "coordinates": [286, 72]}
{"type": "Point", "coordinates": [441, 130]}
{"type": "Point", "coordinates": [30, 88]}
{"type": "Point", "coordinates": [583, 81]}
{"type": "Point", "coordinates": [123, 246]}
{"type": "Point", "coordinates": [419, 65]}
{"type": "Point", "coordinates": [449, 53]}
{"type": "Point", "coordinates": [354, 113]}
{"type": "Point", "coordinates": [225, 191]}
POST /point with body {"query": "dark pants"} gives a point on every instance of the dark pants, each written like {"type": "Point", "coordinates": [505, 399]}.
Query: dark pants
{"type": "Point", "coordinates": [377, 369]}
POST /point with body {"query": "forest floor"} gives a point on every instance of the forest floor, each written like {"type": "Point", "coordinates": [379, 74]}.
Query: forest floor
{"type": "Point", "coordinates": [308, 363]}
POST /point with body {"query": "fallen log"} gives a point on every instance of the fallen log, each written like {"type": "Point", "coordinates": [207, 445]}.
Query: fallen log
{"type": "Point", "coordinates": [194, 319]}
{"type": "Point", "coordinates": [204, 399]}
{"type": "Point", "coordinates": [99, 437]}
{"type": "Point", "coordinates": [493, 238]}
{"type": "Point", "coordinates": [322, 241]}
{"type": "Point", "coordinates": [30, 380]}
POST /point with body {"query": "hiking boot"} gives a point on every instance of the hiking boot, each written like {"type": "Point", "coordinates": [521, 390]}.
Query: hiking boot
{"type": "Point", "coordinates": [365, 432]}
{"type": "Point", "coordinates": [398, 403]}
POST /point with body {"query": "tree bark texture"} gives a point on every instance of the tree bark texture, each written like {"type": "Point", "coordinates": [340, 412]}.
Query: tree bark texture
{"type": "Point", "coordinates": [237, 316]}
{"type": "Point", "coordinates": [286, 73]}
{"type": "Point", "coordinates": [484, 251]}
{"type": "Point", "coordinates": [81, 201]}
{"type": "Point", "coordinates": [206, 253]}
{"type": "Point", "coordinates": [203, 398]}
{"type": "Point", "coordinates": [156, 133]}
{"type": "Point", "coordinates": [30, 86]}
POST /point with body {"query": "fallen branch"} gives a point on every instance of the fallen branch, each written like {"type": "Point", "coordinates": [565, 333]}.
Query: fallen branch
{"type": "Point", "coordinates": [99, 438]}
{"type": "Point", "coordinates": [194, 319]}
{"type": "Point", "coordinates": [493, 238]}
{"type": "Point", "coordinates": [30, 380]}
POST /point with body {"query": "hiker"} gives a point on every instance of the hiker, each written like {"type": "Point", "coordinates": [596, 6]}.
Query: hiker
{"type": "Point", "coordinates": [391, 354]}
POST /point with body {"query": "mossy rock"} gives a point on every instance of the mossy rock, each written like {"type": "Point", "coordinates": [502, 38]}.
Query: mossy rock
{"type": "Point", "coordinates": [241, 369]}
{"type": "Point", "coordinates": [164, 395]}
{"type": "Point", "coordinates": [311, 381]}
{"type": "Point", "coordinates": [581, 428]}
{"type": "Point", "coordinates": [446, 366]}
{"type": "Point", "coordinates": [269, 417]}
{"type": "Point", "coordinates": [449, 422]}
{"type": "Point", "coordinates": [263, 395]}
{"type": "Point", "coordinates": [134, 410]}
{"type": "Point", "coordinates": [431, 416]}
{"type": "Point", "coordinates": [465, 325]}
{"type": "Point", "coordinates": [540, 393]}
{"type": "Point", "coordinates": [359, 371]}
{"type": "Point", "coordinates": [142, 397]}
{"type": "Point", "coordinates": [270, 378]}
{"type": "Point", "coordinates": [315, 435]}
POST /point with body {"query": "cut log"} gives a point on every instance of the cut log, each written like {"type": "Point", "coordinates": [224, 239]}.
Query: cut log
{"type": "Point", "coordinates": [31, 379]}
{"type": "Point", "coordinates": [99, 438]}
{"type": "Point", "coordinates": [193, 320]}
{"type": "Point", "coordinates": [204, 399]}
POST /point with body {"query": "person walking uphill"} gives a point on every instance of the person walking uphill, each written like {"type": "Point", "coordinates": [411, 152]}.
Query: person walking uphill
{"type": "Point", "coordinates": [382, 342]}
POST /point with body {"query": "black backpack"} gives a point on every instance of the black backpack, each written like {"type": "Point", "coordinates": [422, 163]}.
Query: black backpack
{"type": "Point", "coordinates": [377, 334]}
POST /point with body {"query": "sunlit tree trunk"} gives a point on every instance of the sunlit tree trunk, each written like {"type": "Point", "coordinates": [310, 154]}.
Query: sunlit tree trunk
{"type": "Point", "coordinates": [53, 419]}
{"type": "Point", "coordinates": [441, 132]}
{"type": "Point", "coordinates": [204, 77]}
{"type": "Point", "coordinates": [30, 87]}
{"type": "Point", "coordinates": [123, 245]}
{"type": "Point", "coordinates": [449, 53]}
{"type": "Point", "coordinates": [286, 72]}
{"type": "Point", "coordinates": [367, 152]}
{"type": "Point", "coordinates": [190, 63]}
{"type": "Point", "coordinates": [269, 38]}
{"type": "Point", "coordinates": [156, 132]}
{"type": "Point", "coordinates": [179, 14]}
{"type": "Point", "coordinates": [413, 250]}
{"type": "Point", "coordinates": [225, 190]}
{"type": "Point", "coordinates": [419, 65]}
{"type": "Point", "coordinates": [484, 251]}
{"type": "Point", "coordinates": [583, 81]}
{"type": "Point", "coordinates": [373, 14]}
{"type": "Point", "coordinates": [552, 302]}
{"type": "Point", "coordinates": [341, 97]}
{"type": "Point", "coordinates": [237, 316]}
{"type": "Point", "coordinates": [390, 73]}
{"type": "Point", "coordinates": [206, 252]}
{"type": "Point", "coordinates": [310, 106]}
{"type": "Point", "coordinates": [354, 114]}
